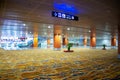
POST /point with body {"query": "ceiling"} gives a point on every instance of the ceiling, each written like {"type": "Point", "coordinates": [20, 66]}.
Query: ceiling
{"type": "Point", "coordinates": [102, 14]}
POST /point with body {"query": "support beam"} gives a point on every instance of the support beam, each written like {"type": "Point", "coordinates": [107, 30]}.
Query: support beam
{"type": "Point", "coordinates": [57, 37]}
{"type": "Point", "coordinates": [65, 40]}
{"type": "Point", "coordinates": [113, 41]}
{"type": "Point", "coordinates": [93, 37]}
{"type": "Point", "coordinates": [85, 41]}
{"type": "Point", "coordinates": [35, 35]}
{"type": "Point", "coordinates": [48, 41]}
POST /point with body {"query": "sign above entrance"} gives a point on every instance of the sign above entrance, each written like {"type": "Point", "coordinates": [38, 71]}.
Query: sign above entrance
{"type": "Point", "coordinates": [64, 16]}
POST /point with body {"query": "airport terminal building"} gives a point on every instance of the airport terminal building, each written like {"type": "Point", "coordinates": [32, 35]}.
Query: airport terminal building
{"type": "Point", "coordinates": [53, 24]}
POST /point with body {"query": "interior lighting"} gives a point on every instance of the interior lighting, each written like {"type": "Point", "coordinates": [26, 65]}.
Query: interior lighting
{"type": "Point", "coordinates": [24, 24]}
{"type": "Point", "coordinates": [89, 31]}
{"type": "Point", "coordinates": [49, 26]}
{"type": "Point", "coordinates": [68, 29]}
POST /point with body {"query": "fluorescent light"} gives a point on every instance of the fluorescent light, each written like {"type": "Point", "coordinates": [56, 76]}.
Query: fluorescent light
{"type": "Point", "coordinates": [49, 26]}
{"type": "Point", "coordinates": [89, 31]}
{"type": "Point", "coordinates": [68, 28]}
{"type": "Point", "coordinates": [24, 24]}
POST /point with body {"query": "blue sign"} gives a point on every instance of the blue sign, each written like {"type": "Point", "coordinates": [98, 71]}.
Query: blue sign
{"type": "Point", "coordinates": [64, 16]}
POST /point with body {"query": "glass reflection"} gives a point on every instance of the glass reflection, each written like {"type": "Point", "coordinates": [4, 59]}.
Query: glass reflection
{"type": "Point", "coordinates": [15, 35]}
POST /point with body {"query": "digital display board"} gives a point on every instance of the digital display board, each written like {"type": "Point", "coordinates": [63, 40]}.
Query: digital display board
{"type": "Point", "coordinates": [64, 16]}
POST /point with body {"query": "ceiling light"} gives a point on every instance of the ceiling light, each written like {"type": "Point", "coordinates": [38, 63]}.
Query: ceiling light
{"type": "Point", "coordinates": [24, 24]}
{"type": "Point", "coordinates": [68, 28]}
{"type": "Point", "coordinates": [89, 31]}
{"type": "Point", "coordinates": [49, 26]}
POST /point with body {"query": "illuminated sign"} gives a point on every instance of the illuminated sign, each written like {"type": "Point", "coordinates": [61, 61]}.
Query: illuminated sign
{"type": "Point", "coordinates": [64, 16]}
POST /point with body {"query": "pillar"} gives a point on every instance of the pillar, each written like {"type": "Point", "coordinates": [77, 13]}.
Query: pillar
{"type": "Point", "coordinates": [48, 43]}
{"type": "Point", "coordinates": [35, 35]}
{"type": "Point", "coordinates": [65, 40]}
{"type": "Point", "coordinates": [119, 41]}
{"type": "Point", "coordinates": [85, 41]}
{"type": "Point", "coordinates": [57, 37]}
{"type": "Point", "coordinates": [93, 37]}
{"type": "Point", "coordinates": [113, 41]}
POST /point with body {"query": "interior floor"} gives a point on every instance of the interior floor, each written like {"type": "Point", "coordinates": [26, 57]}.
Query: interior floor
{"type": "Point", "coordinates": [48, 64]}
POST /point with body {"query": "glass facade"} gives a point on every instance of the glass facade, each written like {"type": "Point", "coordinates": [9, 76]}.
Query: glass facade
{"type": "Point", "coordinates": [17, 35]}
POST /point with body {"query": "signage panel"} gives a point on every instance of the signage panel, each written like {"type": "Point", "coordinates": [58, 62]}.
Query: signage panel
{"type": "Point", "coordinates": [64, 16]}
